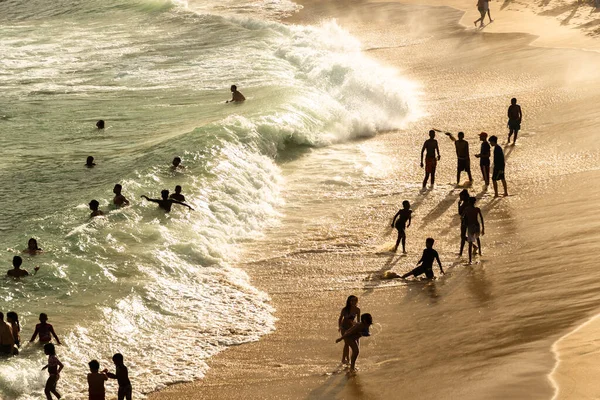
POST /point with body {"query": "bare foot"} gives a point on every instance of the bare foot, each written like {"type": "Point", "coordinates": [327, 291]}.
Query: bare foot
{"type": "Point", "coordinates": [505, 194]}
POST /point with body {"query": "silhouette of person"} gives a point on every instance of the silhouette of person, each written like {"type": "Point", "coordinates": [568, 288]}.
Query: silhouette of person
{"type": "Point", "coordinates": [89, 162]}
{"type": "Point", "coordinates": [100, 124]}
{"type": "Point", "coordinates": [484, 158]}
{"type": "Point", "coordinates": [514, 119]}
{"type": "Point", "coordinates": [237, 97]}
{"type": "Point", "coordinates": [471, 218]}
{"type": "Point", "coordinates": [404, 215]}
{"type": "Point", "coordinates": [177, 195]}
{"type": "Point", "coordinates": [463, 203]}
{"type": "Point", "coordinates": [430, 147]}
{"type": "Point", "coordinates": [94, 207]}
{"type": "Point", "coordinates": [32, 247]}
{"type": "Point", "coordinates": [7, 339]}
{"type": "Point", "coordinates": [483, 6]}
{"type": "Point", "coordinates": [119, 199]}
{"type": "Point", "coordinates": [353, 335]}
{"type": "Point", "coordinates": [499, 165]}
{"type": "Point", "coordinates": [177, 164]}
{"type": "Point", "coordinates": [17, 272]}
{"type": "Point", "coordinates": [425, 264]}
{"type": "Point", "coordinates": [462, 154]}
{"type": "Point", "coordinates": [346, 321]}
{"type": "Point", "coordinates": [122, 376]}
{"type": "Point", "coordinates": [165, 202]}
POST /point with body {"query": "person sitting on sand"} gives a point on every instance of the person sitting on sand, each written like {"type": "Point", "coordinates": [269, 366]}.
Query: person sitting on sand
{"type": "Point", "coordinates": [166, 203]}
{"type": "Point", "coordinates": [100, 124]}
{"type": "Point", "coordinates": [177, 195]}
{"type": "Point", "coordinates": [237, 97]}
{"type": "Point", "coordinates": [425, 264]}
{"type": "Point", "coordinates": [499, 166]}
{"type": "Point", "coordinates": [94, 207]}
{"type": "Point", "coordinates": [45, 330]}
{"type": "Point", "coordinates": [514, 119]}
{"type": "Point", "coordinates": [96, 381]}
{"type": "Point", "coordinates": [471, 217]}
{"type": "Point", "coordinates": [32, 247]}
{"type": "Point", "coordinates": [431, 146]}
{"type": "Point", "coordinates": [177, 164]}
{"type": "Point", "coordinates": [119, 200]}
{"type": "Point", "coordinates": [352, 336]}
{"type": "Point", "coordinates": [404, 215]}
{"type": "Point", "coordinates": [346, 321]}
{"type": "Point", "coordinates": [89, 162]}
{"type": "Point", "coordinates": [484, 158]}
{"type": "Point", "coordinates": [122, 376]}
{"type": "Point", "coordinates": [462, 155]}
{"type": "Point", "coordinates": [17, 272]}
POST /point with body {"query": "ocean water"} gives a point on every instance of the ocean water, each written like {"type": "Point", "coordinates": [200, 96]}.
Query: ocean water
{"type": "Point", "coordinates": [161, 289]}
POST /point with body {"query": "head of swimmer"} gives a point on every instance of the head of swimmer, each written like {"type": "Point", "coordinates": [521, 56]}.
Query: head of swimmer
{"type": "Point", "coordinates": [176, 162]}
{"type": "Point", "coordinates": [117, 189]}
{"type": "Point", "coordinates": [164, 194]}
{"type": "Point", "coordinates": [17, 261]}
{"type": "Point", "coordinates": [94, 205]}
{"type": "Point", "coordinates": [233, 88]}
{"type": "Point", "coordinates": [32, 244]}
{"type": "Point", "coordinates": [178, 189]}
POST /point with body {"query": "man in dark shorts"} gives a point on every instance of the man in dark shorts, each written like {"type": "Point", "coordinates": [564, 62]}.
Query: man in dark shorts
{"type": "Point", "coordinates": [425, 264]}
{"type": "Point", "coordinates": [462, 154]}
{"type": "Point", "coordinates": [514, 119]}
{"type": "Point", "coordinates": [484, 158]}
{"type": "Point", "coordinates": [499, 165]}
{"type": "Point", "coordinates": [431, 146]}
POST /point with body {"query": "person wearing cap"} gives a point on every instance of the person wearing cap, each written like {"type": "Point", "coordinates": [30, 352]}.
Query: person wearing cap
{"type": "Point", "coordinates": [484, 158]}
{"type": "Point", "coordinates": [431, 146]}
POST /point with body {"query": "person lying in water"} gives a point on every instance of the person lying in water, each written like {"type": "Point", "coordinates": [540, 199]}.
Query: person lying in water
{"type": "Point", "coordinates": [166, 203]}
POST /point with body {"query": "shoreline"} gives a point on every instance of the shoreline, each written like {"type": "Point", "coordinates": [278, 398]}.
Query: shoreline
{"type": "Point", "coordinates": [233, 369]}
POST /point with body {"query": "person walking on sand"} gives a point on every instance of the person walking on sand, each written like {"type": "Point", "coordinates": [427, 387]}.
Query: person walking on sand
{"type": "Point", "coordinates": [346, 321]}
{"type": "Point", "coordinates": [7, 339]}
{"type": "Point", "coordinates": [425, 264]}
{"type": "Point", "coordinates": [403, 216]}
{"type": "Point", "coordinates": [462, 155]}
{"type": "Point", "coordinates": [471, 218]}
{"type": "Point", "coordinates": [352, 337]}
{"type": "Point", "coordinates": [54, 367]}
{"type": "Point", "coordinates": [484, 158]}
{"type": "Point", "coordinates": [463, 203]}
{"type": "Point", "coordinates": [17, 272]}
{"type": "Point", "coordinates": [483, 6]}
{"type": "Point", "coordinates": [499, 165]}
{"type": "Point", "coordinates": [96, 381]}
{"type": "Point", "coordinates": [165, 202]}
{"type": "Point", "coordinates": [122, 376]}
{"type": "Point", "coordinates": [514, 119]}
{"type": "Point", "coordinates": [236, 96]}
{"type": "Point", "coordinates": [45, 330]}
{"type": "Point", "coordinates": [430, 147]}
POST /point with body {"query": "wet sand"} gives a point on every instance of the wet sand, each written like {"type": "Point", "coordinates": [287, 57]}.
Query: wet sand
{"type": "Point", "coordinates": [483, 331]}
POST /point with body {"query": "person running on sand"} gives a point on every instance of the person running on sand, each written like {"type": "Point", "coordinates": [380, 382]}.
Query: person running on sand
{"type": "Point", "coordinates": [514, 119]}
{"type": "Point", "coordinates": [463, 203]}
{"type": "Point", "coordinates": [404, 215]}
{"type": "Point", "coordinates": [483, 6]}
{"type": "Point", "coordinates": [89, 162]}
{"type": "Point", "coordinates": [462, 154]}
{"type": "Point", "coordinates": [96, 381]}
{"type": "Point", "coordinates": [32, 247]}
{"type": "Point", "coordinates": [236, 97]}
{"type": "Point", "coordinates": [54, 367]}
{"type": "Point", "coordinates": [177, 195]}
{"type": "Point", "coordinates": [17, 272]}
{"type": "Point", "coordinates": [13, 319]}
{"type": "Point", "coordinates": [45, 330]}
{"type": "Point", "coordinates": [177, 164]}
{"type": "Point", "coordinates": [484, 158]}
{"type": "Point", "coordinates": [425, 264]}
{"type": "Point", "coordinates": [352, 336]}
{"type": "Point", "coordinates": [122, 376]}
{"type": "Point", "coordinates": [95, 211]}
{"type": "Point", "coordinates": [431, 147]}
{"type": "Point", "coordinates": [499, 165]}
{"type": "Point", "coordinates": [471, 218]}
{"type": "Point", "coordinates": [119, 199]}
{"type": "Point", "coordinates": [166, 203]}
{"type": "Point", "coordinates": [346, 321]}
{"type": "Point", "coordinates": [7, 340]}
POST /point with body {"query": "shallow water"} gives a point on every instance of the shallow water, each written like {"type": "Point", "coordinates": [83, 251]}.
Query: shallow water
{"type": "Point", "coordinates": [161, 289]}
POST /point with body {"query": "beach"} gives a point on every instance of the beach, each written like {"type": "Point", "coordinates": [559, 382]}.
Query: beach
{"type": "Point", "coordinates": [483, 331]}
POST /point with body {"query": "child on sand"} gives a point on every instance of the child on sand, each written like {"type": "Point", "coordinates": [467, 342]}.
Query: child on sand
{"type": "Point", "coordinates": [96, 381]}
{"type": "Point", "coordinates": [346, 321]}
{"type": "Point", "coordinates": [54, 367]}
{"type": "Point", "coordinates": [352, 336]}
{"type": "Point", "coordinates": [403, 215]}
{"type": "Point", "coordinates": [44, 329]}
{"type": "Point", "coordinates": [425, 264]}
{"type": "Point", "coordinates": [122, 376]}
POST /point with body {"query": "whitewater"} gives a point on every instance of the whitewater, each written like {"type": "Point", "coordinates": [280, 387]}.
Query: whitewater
{"type": "Point", "coordinates": [163, 290]}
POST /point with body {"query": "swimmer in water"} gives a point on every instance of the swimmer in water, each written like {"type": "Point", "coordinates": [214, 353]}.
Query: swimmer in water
{"type": "Point", "coordinates": [352, 336]}
{"type": "Point", "coordinates": [425, 264]}
{"type": "Point", "coordinates": [13, 320]}
{"type": "Point", "coordinates": [404, 215]}
{"type": "Point", "coordinates": [100, 124]}
{"type": "Point", "coordinates": [177, 195]}
{"type": "Point", "coordinates": [119, 200]}
{"type": "Point", "coordinates": [431, 147]}
{"type": "Point", "coordinates": [45, 330]}
{"type": "Point", "coordinates": [32, 247]}
{"type": "Point", "coordinates": [237, 97]}
{"type": "Point", "coordinates": [95, 211]}
{"type": "Point", "coordinates": [177, 164]}
{"type": "Point", "coordinates": [17, 272]}
{"type": "Point", "coordinates": [346, 321]}
{"type": "Point", "coordinates": [7, 339]}
{"type": "Point", "coordinates": [166, 203]}
{"type": "Point", "coordinates": [90, 162]}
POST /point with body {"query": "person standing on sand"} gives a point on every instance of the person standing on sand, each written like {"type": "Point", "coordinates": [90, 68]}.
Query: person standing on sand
{"type": "Point", "coordinates": [483, 6]}
{"type": "Point", "coordinates": [404, 216]}
{"type": "Point", "coordinates": [430, 147]}
{"type": "Point", "coordinates": [514, 119]}
{"type": "Point", "coordinates": [498, 172]}
{"type": "Point", "coordinates": [353, 335]}
{"type": "Point", "coordinates": [346, 321]}
{"type": "Point", "coordinates": [462, 154]}
{"type": "Point", "coordinates": [471, 218]}
{"type": "Point", "coordinates": [484, 158]}
{"type": "Point", "coordinates": [425, 264]}
{"type": "Point", "coordinates": [463, 203]}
